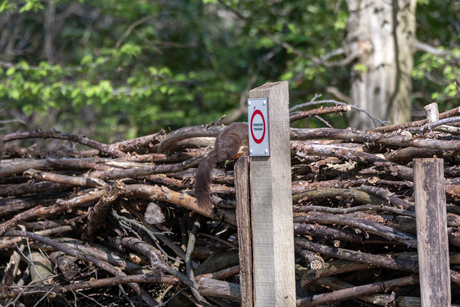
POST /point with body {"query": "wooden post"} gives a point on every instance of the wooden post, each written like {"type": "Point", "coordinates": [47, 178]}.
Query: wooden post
{"type": "Point", "coordinates": [432, 242]}
{"type": "Point", "coordinates": [271, 210]}
{"type": "Point", "coordinates": [243, 217]}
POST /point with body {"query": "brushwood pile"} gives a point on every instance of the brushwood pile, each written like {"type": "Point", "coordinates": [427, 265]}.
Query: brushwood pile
{"type": "Point", "coordinates": [93, 224]}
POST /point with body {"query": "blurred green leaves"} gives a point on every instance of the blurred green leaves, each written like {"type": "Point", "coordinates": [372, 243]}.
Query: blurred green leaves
{"type": "Point", "coordinates": [122, 68]}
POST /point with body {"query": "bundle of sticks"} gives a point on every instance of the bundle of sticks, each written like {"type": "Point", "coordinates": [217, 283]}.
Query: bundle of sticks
{"type": "Point", "coordinates": [114, 223]}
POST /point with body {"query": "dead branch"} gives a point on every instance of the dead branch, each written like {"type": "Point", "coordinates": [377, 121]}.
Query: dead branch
{"type": "Point", "coordinates": [187, 132]}
{"type": "Point", "coordinates": [98, 283]}
{"type": "Point", "coordinates": [328, 233]}
{"type": "Point", "coordinates": [147, 170]}
{"type": "Point", "coordinates": [352, 135]}
{"type": "Point", "coordinates": [369, 226]}
{"type": "Point", "coordinates": [101, 264]}
{"type": "Point", "coordinates": [397, 170]}
{"type": "Point", "coordinates": [42, 134]}
{"type": "Point", "coordinates": [313, 102]}
{"type": "Point", "coordinates": [217, 288]}
{"type": "Point", "coordinates": [419, 123]}
{"type": "Point", "coordinates": [346, 254]}
{"type": "Point", "coordinates": [319, 111]}
{"type": "Point", "coordinates": [101, 209]}
{"type": "Point", "coordinates": [358, 291]}
{"type": "Point", "coordinates": [60, 206]}
{"type": "Point", "coordinates": [156, 261]}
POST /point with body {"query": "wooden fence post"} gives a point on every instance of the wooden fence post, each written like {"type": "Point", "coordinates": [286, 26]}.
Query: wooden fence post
{"type": "Point", "coordinates": [271, 210]}
{"type": "Point", "coordinates": [432, 241]}
{"type": "Point", "coordinates": [243, 217]}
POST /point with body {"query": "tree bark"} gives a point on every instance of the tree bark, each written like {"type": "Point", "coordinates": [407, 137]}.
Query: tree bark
{"type": "Point", "coordinates": [381, 34]}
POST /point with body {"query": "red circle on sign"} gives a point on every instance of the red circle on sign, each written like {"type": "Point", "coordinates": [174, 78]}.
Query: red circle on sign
{"type": "Point", "coordinates": [258, 141]}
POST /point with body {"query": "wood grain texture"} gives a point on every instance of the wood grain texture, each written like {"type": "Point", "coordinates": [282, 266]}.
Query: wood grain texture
{"type": "Point", "coordinates": [433, 248]}
{"type": "Point", "coordinates": [271, 210]}
{"type": "Point", "coordinates": [219, 288]}
{"type": "Point", "coordinates": [432, 113]}
{"type": "Point", "coordinates": [243, 217]}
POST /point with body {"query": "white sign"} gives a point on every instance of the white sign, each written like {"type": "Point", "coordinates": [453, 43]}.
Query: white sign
{"type": "Point", "coordinates": [258, 127]}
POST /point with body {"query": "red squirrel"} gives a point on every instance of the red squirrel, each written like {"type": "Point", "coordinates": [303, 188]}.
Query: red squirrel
{"type": "Point", "coordinates": [227, 146]}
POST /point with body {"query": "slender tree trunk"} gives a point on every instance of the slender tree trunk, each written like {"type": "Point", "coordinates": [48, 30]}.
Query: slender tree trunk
{"type": "Point", "coordinates": [382, 34]}
{"type": "Point", "coordinates": [49, 30]}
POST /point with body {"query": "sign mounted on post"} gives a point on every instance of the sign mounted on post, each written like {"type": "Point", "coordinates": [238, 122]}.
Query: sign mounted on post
{"type": "Point", "coordinates": [258, 127]}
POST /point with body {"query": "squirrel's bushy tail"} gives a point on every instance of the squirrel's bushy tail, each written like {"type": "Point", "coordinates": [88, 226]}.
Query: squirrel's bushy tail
{"type": "Point", "coordinates": [203, 180]}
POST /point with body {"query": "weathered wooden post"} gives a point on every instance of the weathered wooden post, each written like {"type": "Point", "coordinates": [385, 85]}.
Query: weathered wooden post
{"type": "Point", "coordinates": [243, 216]}
{"type": "Point", "coordinates": [272, 257]}
{"type": "Point", "coordinates": [432, 241]}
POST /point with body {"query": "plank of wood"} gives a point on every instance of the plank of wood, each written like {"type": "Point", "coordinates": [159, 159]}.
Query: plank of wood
{"type": "Point", "coordinates": [432, 242]}
{"type": "Point", "coordinates": [243, 217]}
{"type": "Point", "coordinates": [271, 210]}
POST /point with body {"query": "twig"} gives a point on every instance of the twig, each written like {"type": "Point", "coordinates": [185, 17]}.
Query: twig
{"type": "Point", "coordinates": [148, 231]}
{"type": "Point", "coordinates": [320, 111]}
{"type": "Point", "coordinates": [431, 126]}
{"type": "Point", "coordinates": [188, 257]}
{"type": "Point", "coordinates": [312, 259]}
{"type": "Point", "coordinates": [101, 264]}
{"type": "Point", "coordinates": [390, 128]}
{"type": "Point", "coordinates": [82, 181]}
{"type": "Point", "coordinates": [376, 260]}
{"type": "Point", "coordinates": [98, 283]}
{"type": "Point", "coordinates": [325, 232]}
{"type": "Point", "coordinates": [101, 209]}
{"type": "Point", "coordinates": [147, 170]}
{"type": "Point", "coordinates": [130, 28]}
{"type": "Point", "coordinates": [356, 209]}
{"type": "Point", "coordinates": [60, 206]}
{"type": "Point", "coordinates": [369, 226]}
{"type": "Point", "coordinates": [179, 252]}
{"type": "Point", "coordinates": [45, 134]}
{"type": "Point", "coordinates": [374, 119]}
{"type": "Point", "coordinates": [346, 294]}
{"type": "Point", "coordinates": [401, 171]}
{"type": "Point", "coordinates": [156, 261]}
{"type": "Point", "coordinates": [187, 132]}
{"type": "Point", "coordinates": [421, 46]}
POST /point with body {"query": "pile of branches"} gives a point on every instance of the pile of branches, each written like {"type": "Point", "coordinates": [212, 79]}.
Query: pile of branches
{"type": "Point", "coordinates": [118, 224]}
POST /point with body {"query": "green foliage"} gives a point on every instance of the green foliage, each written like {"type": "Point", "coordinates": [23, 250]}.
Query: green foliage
{"type": "Point", "coordinates": [123, 68]}
{"type": "Point", "coordinates": [437, 78]}
{"type": "Point", "coordinates": [29, 5]}
{"type": "Point", "coordinates": [359, 67]}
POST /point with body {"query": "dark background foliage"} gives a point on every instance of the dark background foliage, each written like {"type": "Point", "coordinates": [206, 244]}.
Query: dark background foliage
{"type": "Point", "coordinates": [120, 69]}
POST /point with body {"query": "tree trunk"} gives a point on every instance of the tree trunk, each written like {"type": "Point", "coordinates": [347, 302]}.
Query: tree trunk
{"type": "Point", "coordinates": [381, 34]}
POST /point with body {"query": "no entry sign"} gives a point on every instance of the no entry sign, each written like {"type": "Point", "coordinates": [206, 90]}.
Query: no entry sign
{"type": "Point", "coordinates": [258, 127]}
